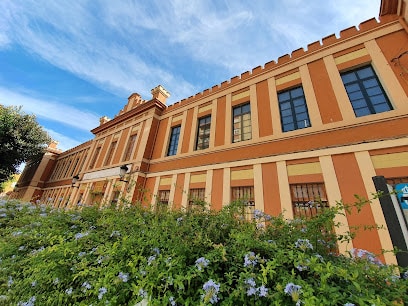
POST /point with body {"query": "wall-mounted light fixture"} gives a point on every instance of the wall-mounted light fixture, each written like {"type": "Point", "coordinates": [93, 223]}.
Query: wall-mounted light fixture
{"type": "Point", "coordinates": [122, 172]}
{"type": "Point", "coordinates": [75, 179]}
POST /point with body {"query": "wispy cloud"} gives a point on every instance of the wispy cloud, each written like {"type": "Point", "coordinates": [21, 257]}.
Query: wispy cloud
{"type": "Point", "coordinates": [135, 45]}
{"type": "Point", "coordinates": [64, 142]}
{"type": "Point", "coordinates": [51, 110]}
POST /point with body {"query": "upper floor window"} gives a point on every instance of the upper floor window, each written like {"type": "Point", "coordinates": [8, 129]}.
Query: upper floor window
{"type": "Point", "coordinates": [293, 109]}
{"type": "Point", "coordinates": [110, 153]}
{"type": "Point", "coordinates": [130, 147]}
{"type": "Point", "coordinates": [241, 122]}
{"type": "Point", "coordinates": [308, 199]}
{"type": "Point", "coordinates": [95, 157]}
{"type": "Point", "coordinates": [174, 139]}
{"type": "Point", "coordinates": [365, 92]}
{"type": "Point", "coordinates": [203, 133]}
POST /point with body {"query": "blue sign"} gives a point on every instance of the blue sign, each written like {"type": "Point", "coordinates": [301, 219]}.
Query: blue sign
{"type": "Point", "coordinates": [402, 194]}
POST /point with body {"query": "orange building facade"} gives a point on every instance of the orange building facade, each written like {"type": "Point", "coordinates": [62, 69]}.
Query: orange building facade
{"type": "Point", "coordinates": [315, 125]}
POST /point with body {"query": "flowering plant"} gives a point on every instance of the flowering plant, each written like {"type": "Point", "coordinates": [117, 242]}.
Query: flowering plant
{"type": "Point", "coordinates": [122, 257]}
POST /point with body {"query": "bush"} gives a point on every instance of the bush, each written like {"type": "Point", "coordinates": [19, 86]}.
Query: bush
{"type": "Point", "coordinates": [121, 257]}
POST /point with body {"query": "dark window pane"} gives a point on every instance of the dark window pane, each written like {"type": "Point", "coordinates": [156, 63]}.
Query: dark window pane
{"type": "Point", "coordinates": [348, 77]}
{"type": "Point", "coordinates": [365, 72]}
{"type": "Point", "coordinates": [293, 109]}
{"type": "Point", "coordinates": [365, 92]}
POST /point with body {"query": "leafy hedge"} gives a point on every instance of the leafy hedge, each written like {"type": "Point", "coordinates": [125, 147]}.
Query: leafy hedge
{"type": "Point", "coordinates": [128, 255]}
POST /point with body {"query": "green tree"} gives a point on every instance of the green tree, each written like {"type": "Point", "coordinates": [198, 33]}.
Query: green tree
{"type": "Point", "coordinates": [21, 138]}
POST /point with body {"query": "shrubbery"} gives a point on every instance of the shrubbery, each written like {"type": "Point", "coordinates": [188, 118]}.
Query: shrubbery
{"type": "Point", "coordinates": [123, 256]}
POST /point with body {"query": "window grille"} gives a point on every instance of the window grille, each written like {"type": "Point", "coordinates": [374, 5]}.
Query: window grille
{"type": "Point", "coordinates": [308, 199]}
{"type": "Point", "coordinates": [247, 196]}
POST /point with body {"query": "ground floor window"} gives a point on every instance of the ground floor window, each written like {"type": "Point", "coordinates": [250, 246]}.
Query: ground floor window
{"type": "Point", "coordinates": [196, 198]}
{"type": "Point", "coordinates": [163, 197]}
{"type": "Point", "coordinates": [308, 199]}
{"type": "Point", "coordinates": [245, 195]}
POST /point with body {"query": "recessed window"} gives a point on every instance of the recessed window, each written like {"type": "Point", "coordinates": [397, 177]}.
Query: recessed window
{"type": "Point", "coordinates": [365, 92]}
{"type": "Point", "coordinates": [196, 198]}
{"type": "Point", "coordinates": [203, 133]}
{"type": "Point", "coordinates": [95, 157]}
{"type": "Point", "coordinates": [241, 123]}
{"type": "Point", "coordinates": [245, 195]}
{"type": "Point", "coordinates": [293, 109]}
{"type": "Point", "coordinates": [174, 139]}
{"type": "Point", "coordinates": [110, 153]}
{"type": "Point", "coordinates": [308, 199]}
{"type": "Point", "coordinates": [163, 197]}
{"type": "Point", "coordinates": [130, 147]}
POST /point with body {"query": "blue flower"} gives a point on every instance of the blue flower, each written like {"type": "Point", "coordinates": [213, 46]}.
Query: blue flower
{"type": "Point", "coordinates": [201, 263]}
{"type": "Point", "coordinates": [302, 268]}
{"type": "Point", "coordinates": [349, 304]}
{"type": "Point", "coordinates": [262, 291]}
{"type": "Point", "coordinates": [211, 290]}
{"type": "Point", "coordinates": [293, 290]}
{"type": "Point", "coordinates": [30, 302]}
{"type": "Point", "coordinates": [115, 234]}
{"type": "Point", "coordinates": [363, 254]}
{"type": "Point", "coordinates": [123, 276]}
{"type": "Point", "coordinates": [101, 292]}
{"type": "Point", "coordinates": [405, 275]}
{"type": "Point", "coordinates": [151, 259]}
{"type": "Point", "coordinates": [258, 214]}
{"type": "Point", "coordinates": [86, 286]}
{"type": "Point", "coordinates": [68, 291]}
{"type": "Point", "coordinates": [172, 302]}
{"type": "Point", "coordinates": [10, 281]}
{"type": "Point", "coordinates": [303, 244]}
{"type": "Point", "coordinates": [142, 293]}
{"type": "Point", "coordinates": [80, 235]}
{"type": "Point", "coordinates": [251, 291]}
{"type": "Point", "coordinates": [250, 282]}
{"type": "Point", "coordinates": [250, 259]}
{"type": "Point", "coordinates": [156, 250]}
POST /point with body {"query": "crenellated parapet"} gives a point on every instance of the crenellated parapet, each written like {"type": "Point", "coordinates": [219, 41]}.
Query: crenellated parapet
{"type": "Point", "coordinates": [313, 47]}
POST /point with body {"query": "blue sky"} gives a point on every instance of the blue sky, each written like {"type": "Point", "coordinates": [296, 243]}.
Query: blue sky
{"type": "Point", "coordinates": [72, 62]}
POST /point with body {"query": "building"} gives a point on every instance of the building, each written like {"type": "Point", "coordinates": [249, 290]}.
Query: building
{"type": "Point", "coordinates": [318, 124]}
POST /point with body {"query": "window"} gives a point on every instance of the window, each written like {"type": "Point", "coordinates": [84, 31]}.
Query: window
{"type": "Point", "coordinates": [241, 123]}
{"type": "Point", "coordinates": [115, 197]}
{"type": "Point", "coordinates": [163, 197]}
{"type": "Point", "coordinates": [203, 133]}
{"type": "Point", "coordinates": [110, 153]}
{"type": "Point", "coordinates": [95, 157]}
{"type": "Point", "coordinates": [293, 109]}
{"type": "Point", "coordinates": [130, 147]}
{"type": "Point", "coordinates": [365, 92]}
{"type": "Point", "coordinates": [196, 198]}
{"type": "Point", "coordinates": [245, 195]}
{"type": "Point", "coordinates": [174, 139]}
{"type": "Point", "coordinates": [308, 199]}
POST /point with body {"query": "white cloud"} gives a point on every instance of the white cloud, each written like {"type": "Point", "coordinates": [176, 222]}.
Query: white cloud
{"type": "Point", "coordinates": [64, 142]}
{"type": "Point", "coordinates": [51, 110]}
{"type": "Point", "coordinates": [132, 46]}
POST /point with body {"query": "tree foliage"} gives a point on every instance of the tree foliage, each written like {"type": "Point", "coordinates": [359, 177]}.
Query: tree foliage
{"type": "Point", "coordinates": [21, 138]}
